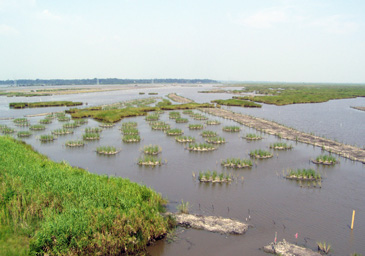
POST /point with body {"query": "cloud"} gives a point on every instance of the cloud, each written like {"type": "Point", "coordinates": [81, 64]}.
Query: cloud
{"type": "Point", "coordinates": [335, 24]}
{"type": "Point", "coordinates": [8, 30]}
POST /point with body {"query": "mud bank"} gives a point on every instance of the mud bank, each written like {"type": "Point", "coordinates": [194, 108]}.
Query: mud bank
{"type": "Point", "coordinates": [287, 249]}
{"type": "Point", "coordinates": [347, 151]}
{"type": "Point", "coordinates": [211, 223]}
{"type": "Point", "coordinates": [179, 99]}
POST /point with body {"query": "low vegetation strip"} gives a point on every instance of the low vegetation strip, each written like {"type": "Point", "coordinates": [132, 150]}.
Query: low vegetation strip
{"type": "Point", "coordinates": [44, 104]}
{"type": "Point", "coordinates": [179, 99]}
{"type": "Point", "coordinates": [347, 151]}
{"type": "Point", "coordinates": [238, 102]}
{"type": "Point", "coordinates": [61, 210]}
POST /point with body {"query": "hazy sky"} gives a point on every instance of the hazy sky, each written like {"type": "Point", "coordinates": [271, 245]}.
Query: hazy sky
{"type": "Point", "coordinates": [262, 40]}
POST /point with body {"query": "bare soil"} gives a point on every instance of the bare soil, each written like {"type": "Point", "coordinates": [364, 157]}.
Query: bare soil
{"type": "Point", "coordinates": [179, 99]}
{"type": "Point", "coordinates": [287, 249]}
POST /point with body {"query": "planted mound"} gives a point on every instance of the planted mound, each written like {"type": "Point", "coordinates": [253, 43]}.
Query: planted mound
{"type": "Point", "coordinates": [45, 121]}
{"type": "Point", "coordinates": [174, 115]}
{"type": "Point", "coordinates": [23, 134]}
{"type": "Point", "coordinates": [130, 131]}
{"type": "Point", "coordinates": [209, 134]}
{"type": "Point", "coordinates": [236, 163]}
{"type": "Point", "coordinates": [325, 159]}
{"type": "Point", "coordinates": [91, 136]}
{"type": "Point", "coordinates": [231, 128]}
{"type": "Point", "coordinates": [62, 132]}
{"type": "Point", "coordinates": [238, 102]}
{"type": "Point", "coordinates": [174, 132]}
{"type": "Point", "coordinates": [93, 130]}
{"type": "Point", "coordinates": [106, 125]}
{"type": "Point", "coordinates": [37, 127]}
{"type": "Point", "coordinates": [199, 117]}
{"type": "Point", "coordinates": [180, 120]}
{"type": "Point", "coordinates": [46, 138]}
{"type": "Point", "coordinates": [129, 125]}
{"type": "Point", "coordinates": [216, 140]}
{"type": "Point", "coordinates": [196, 126]}
{"type": "Point", "coordinates": [20, 120]}
{"type": "Point", "coordinates": [152, 117]}
{"type": "Point", "coordinates": [212, 122]}
{"type": "Point", "coordinates": [106, 150]}
{"type": "Point", "coordinates": [149, 161]}
{"type": "Point", "coordinates": [7, 130]}
{"type": "Point", "coordinates": [131, 138]}
{"type": "Point", "coordinates": [184, 139]}
{"type": "Point", "coordinates": [63, 214]}
{"type": "Point", "coordinates": [201, 147]}
{"type": "Point", "coordinates": [252, 136]}
{"type": "Point", "coordinates": [159, 125]}
{"type": "Point", "coordinates": [259, 153]}
{"type": "Point", "coordinates": [75, 143]}
{"type": "Point", "coordinates": [214, 177]}
{"type": "Point", "coordinates": [281, 146]}
{"type": "Point", "coordinates": [70, 125]}
{"type": "Point", "coordinates": [188, 112]}
{"type": "Point", "coordinates": [303, 174]}
{"type": "Point", "coordinates": [152, 149]}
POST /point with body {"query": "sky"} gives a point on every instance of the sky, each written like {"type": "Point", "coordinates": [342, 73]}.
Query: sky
{"type": "Point", "coordinates": [230, 40]}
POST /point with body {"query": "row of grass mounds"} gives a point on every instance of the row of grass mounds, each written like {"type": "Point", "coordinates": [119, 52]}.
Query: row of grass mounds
{"type": "Point", "coordinates": [303, 174]}
{"type": "Point", "coordinates": [131, 138]}
{"type": "Point", "coordinates": [215, 140]}
{"type": "Point", "coordinates": [24, 134]}
{"type": "Point", "coordinates": [174, 114]}
{"type": "Point", "coordinates": [93, 130]}
{"type": "Point", "coordinates": [75, 143]}
{"type": "Point", "coordinates": [52, 208]}
{"type": "Point", "coordinates": [6, 129]}
{"type": "Point", "coordinates": [195, 126]}
{"type": "Point", "coordinates": [214, 177]}
{"type": "Point", "coordinates": [37, 127]}
{"type": "Point", "coordinates": [281, 146]}
{"type": "Point", "coordinates": [325, 159]}
{"type": "Point", "coordinates": [261, 154]}
{"type": "Point", "coordinates": [130, 131]}
{"type": "Point", "coordinates": [201, 147]}
{"type": "Point", "coordinates": [44, 104]}
{"type": "Point", "coordinates": [148, 160]}
{"type": "Point", "coordinates": [159, 125]}
{"type": "Point", "coordinates": [62, 131]}
{"type": "Point", "coordinates": [106, 125]}
{"type": "Point", "coordinates": [252, 136]}
{"type": "Point", "coordinates": [185, 139]}
{"type": "Point", "coordinates": [106, 150]}
{"type": "Point", "coordinates": [232, 128]}
{"type": "Point", "coordinates": [238, 103]}
{"type": "Point", "coordinates": [129, 125]}
{"type": "Point", "coordinates": [151, 149]}
{"type": "Point", "coordinates": [181, 120]}
{"type": "Point", "coordinates": [236, 163]}
{"type": "Point", "coordinates": [91, 136]}
{"type": "Point", "coordinates": [213, 122]}
{"type": "Point", "coordinates": [23, 122]}
{"type": "Point", "coordinates": [47, 138]}
{"type": "Point", "coordinates": [174, 132]}
{"type": "Point", "coordinates": [207, 133]}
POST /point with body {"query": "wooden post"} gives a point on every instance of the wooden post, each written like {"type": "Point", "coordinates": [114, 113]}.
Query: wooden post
{"type": "Point", "coordinates": [353, 218]}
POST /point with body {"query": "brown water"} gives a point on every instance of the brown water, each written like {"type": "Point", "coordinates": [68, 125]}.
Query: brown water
{"type": "Point", "coordinates": [273, 203]}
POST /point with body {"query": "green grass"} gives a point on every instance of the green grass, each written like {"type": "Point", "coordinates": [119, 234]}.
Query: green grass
{"type": "Point", "coordinates": [75, 143]}
{"type": "Point", "coordinates": [37, 127]}
{"type": "Point", "coordinates": [238, 102]}
{"type": "Point", "coordinates": [236, 163]}
{"type": "Point", "coordinates": [216, 140]}
{"type": "Point", "coordinates": [46, 138]}
{"type": "Point", "coordinates": [231, 128]}
{"type": "Point", "coordinates": [281, 94]}
{"type": "Point", "coordinates": [149, 160]}
{"type": "Point", "coordinates": [91, 136]}
{"type": "Point", "coordinates": [326, 159]}
{"type": "Point", "coordinates": [55, 209]}
{"type": "Point", "coordinates": [45, 121]}
{"type": "Point", "coordinates": [44, 104]}
{"type": "Point", "coordinates": [174, 115]}
{"type": "Point", "coordinates": [304, 174]}
{"type": "Point", "coordinates": [174, 132]}
{"type": "Point", "coordinates": [62, 131]}
{"type": "Point", "coordinates": [196, 126]}
{"type": "Point", "coordinates": [152, 149]}
{"type": "Point", "coordinates": [253, 136]}
{"type": "Point", "coordinates": [201, 147]}
{"type": "Point", "coordinates": [207, 133]}
{"type": "Point", "coordinates": [259, 153]}
{"type": "Point", "coordinates": [21, 134]}
{"type": "Point", "coordinates": [93, 130]}
{"type": "Point", "coordinates": [213, 122]}
{"type": "Point", "coordinates": [130, 131]}
{"type": "Point", "coordinates": [281, 145]}
{"type": "Point", "coordinates": [106, 150]}
{"type": "Point", "coordinates": [131, 138]}
{"type": "Point", "coordinates": [181, 120]}
{"type": "Point", "coordinates": [185, 139]}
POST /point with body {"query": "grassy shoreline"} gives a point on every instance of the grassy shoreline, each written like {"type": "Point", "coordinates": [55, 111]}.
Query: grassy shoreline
{"type": "Point", "coordinates": [53, 208]}
{"type": "Point", "coordinates": [44, 104]}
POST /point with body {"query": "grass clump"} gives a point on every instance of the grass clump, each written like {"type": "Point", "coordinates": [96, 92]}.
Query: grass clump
{"type": "Point", "coordinates": [238, 103]}
{"type": "Point", "coordinates": [259, 153]}
{"type": "Point", "coordinates": [160, 125]}
{"type": "Point", "coordinates": [181, 120]}
{"type": "Point", "coordinates": [196, 126]}
{"type": "Point", "coordinates": [185, 139]}
{"type": "Point", "coordinates": [209, 134]}
{"type": "Point", "coordinates": [253, 136]}
{"type": "Point", "coordinates": [213, 122]}
{"type": "Point", "coordinates": [129, 125]}
{"type": "Point", "coordinates": [216, 140]}
{"type": "Point", "coordinates": [55, 209]}
{"type": "Point", "coordinates": [75, 143]}
{"type": "Point", "coordinates": [106, 125]}
{"type": "Point", "coordinates": [281, 146]}
{"type": "Point", "coordinates": [131, 138]}
{"type": "Point", "coordinates": [152, 117]}
{"type": "Point", "coordinates": [188, 112]}
{"type": "Point", "coordinates": [23, 134]}
{"type": "Point", "coordinates": [45, 121]}
{"type": "Point", "coordinates": [231, 128]}
{"type": "Point", "coordinates": [20, 120]}
{"type": "Point", "coordinates": [199, 117]}
{"type": "Point", "coordinates": [214, 177]}
{"type": "Point", "coordinates": [174, 115]}
{"type": "Point", "coordinates": [7, 130]}
{"type": "Point", "coordinates": [46, 138]}
{"type": "Point", "coordinates": [152, 149]}
{"type": "Point", "coordinates": [183, 207]}
{"type": "Point", "coordinates": [149, 161]}
{"type": "Point", "coordinates": [130, 131]}
{"type": "Point", "coordinates": [37, 127]}
{"type": "Point", "coordinates": [324, 247]}
{"type": "Point", "coordinates": [236, 163]}
{"type": "Point", "coordinates": [62, 131]}
{"type": "Point", "coordinates": [70, 125]}
{"type": "Point", "coordinates": [303, 174]}
{"type": "Point", "coordinates": [63, 118]}
{"type": "Point", "coordinates": [91, 136]}
{"type": "Point", "coordinates": [325, 159]}
{"type": "Point", "coordinates": [174, 132]}
{"type": "Point", "coordinates": [44, 104]}
{"type": "Point", "coordinates": [106, 150]}
{"type": "Point", "coordinates": [201, 147]}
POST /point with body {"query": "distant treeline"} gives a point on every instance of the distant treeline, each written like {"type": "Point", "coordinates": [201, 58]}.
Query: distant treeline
{"type": "Point", "coordinates": [29, 82]}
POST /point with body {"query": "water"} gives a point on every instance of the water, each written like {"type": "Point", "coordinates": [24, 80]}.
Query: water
{"type": "Point", "coordinates": [273, 203]}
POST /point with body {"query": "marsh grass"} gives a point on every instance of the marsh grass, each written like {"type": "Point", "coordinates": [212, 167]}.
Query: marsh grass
{"type": "Point", "coordinates": [231, 128]}
{"type": "Point", "coordinates": [148, 160]}
{"type": "Point", "coordinates": [62, 131]}
{"type": "Point", "coordinates": [185, 139]}
{"type": "Point", "coordinates": [181, 120]}
{"type": "Point", "coordinates": [238, 102]}
{"type": "Point", "coordinates": [252, 136]}
{"type": "Point", "coordinates": [129, 125]}
{"type": "Point", "coordinates": [303, 174]}
{"type": "Point", "coordinates": [91, 136]}
{"type": "Point", "coordinates": [45, 121]}
{"type": "Point", "coordinates": [23, 134]}
{"type": "Point", "coordinates": [188, 112]}
{"type": "Point", "coordinates": [213, 122]}
{"type": "Point", "coordinates": [174, 132]}
{"type": "Point", "coordinates": [131, 138]}
{"type": "Point", "coordinates": [20, 120]}
{"type": "Point", "coordinates": [259, 153]}
{"type": "Point", "coordinates": [174, 115]}
{"type": "Point", "coordinates": [183, 207]}
{"type": "Point", "coordinates": [236, 163]}
{"type": "Point", "coordinates": [46, 138]}
{"type": "Point", "coordinates": [75, 143]}
{"type": "Point", "coordinates": [201, 147]}
{"type": "Point", "coordinates": [7, 130]}
{"type": "Point", "coordinates": [37, 127]}
{"type": "Point", "coordinates": [216, 140]}
{"type": "Point", "coordinates": [281, 146]}
{"type": "Point", "coordinates": [152, 149]}
{"type": "Point", "coordinates": [106, 125]}
{"type": "Point", "coordinates": [195, 126]}
{"type": "Point", "coordinates": [198, 116]}
{"type": "Point", "coordinates": [214, 177]}
{"type": "Point", "coordinates": [130, 131]}
{"type": "Point", "coordinates": [324, 247]}
{"type": "Point", "coordinates": [50, 208]}
{"type": "Point", "coordinates": [207, 133]}
{"type": "Point", "coordinates": [70, 125]}
{"type": "Point", "coordinates": [152, 117]}
{"type": "Point", "coordinates": [106, 150]}
{"type": "Point", "coordinates": [325, 159]}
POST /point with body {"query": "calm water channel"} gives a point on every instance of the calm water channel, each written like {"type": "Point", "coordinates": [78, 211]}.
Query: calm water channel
{"type": "Point", "coordinates": [270, 202]}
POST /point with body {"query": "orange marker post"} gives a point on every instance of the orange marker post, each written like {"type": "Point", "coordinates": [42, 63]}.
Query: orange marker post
{"type": "Point", "coordinates": [353, 218]}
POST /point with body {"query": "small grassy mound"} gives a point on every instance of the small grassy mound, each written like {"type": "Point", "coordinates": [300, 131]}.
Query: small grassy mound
{"type": "Point", "coordinates": [55, 209]}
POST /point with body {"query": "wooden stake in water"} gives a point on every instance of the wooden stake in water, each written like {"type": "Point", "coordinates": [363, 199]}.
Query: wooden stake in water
{"type": "Point", "coordinates": [353, 218]}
